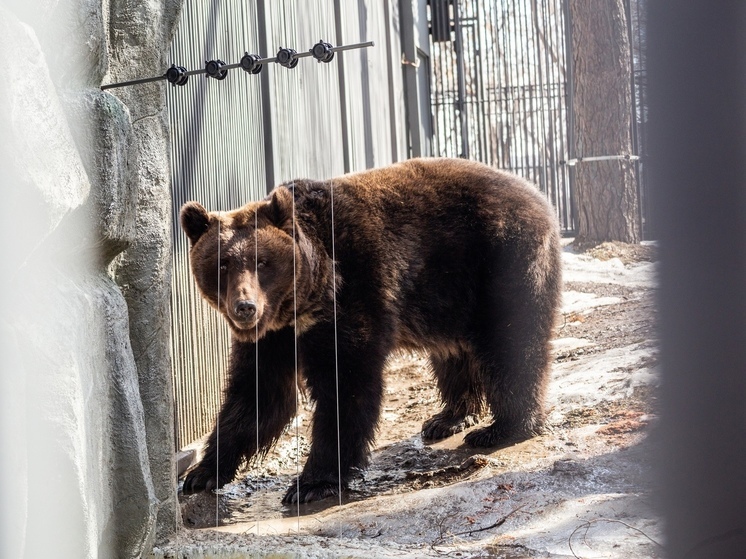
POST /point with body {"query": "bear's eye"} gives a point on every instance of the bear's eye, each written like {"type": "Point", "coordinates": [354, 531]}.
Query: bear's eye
{"type": "Point", "coordinates": [261, 264]}
{"type": "Point", "coordinates": [224, 266]}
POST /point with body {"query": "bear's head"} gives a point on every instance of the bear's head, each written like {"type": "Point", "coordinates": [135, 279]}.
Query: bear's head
{"type": "Point", "coordinates": [242, 262]}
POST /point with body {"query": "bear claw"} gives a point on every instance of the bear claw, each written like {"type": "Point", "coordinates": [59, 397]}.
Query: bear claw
{"type": "Point", "coordinates": [306, 492]}
{"type": "Point", "coordinates": [498, 435]}
{"type": "Point", "coordinates": [198, 480]}
{"type": "Point", "coordinates": [444, 424]}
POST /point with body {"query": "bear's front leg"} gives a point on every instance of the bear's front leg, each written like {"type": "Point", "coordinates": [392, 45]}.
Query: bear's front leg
{"type": "Point", "coordinates": [237, 435]}
{"type": "Point", "coordinates": [339, 447]}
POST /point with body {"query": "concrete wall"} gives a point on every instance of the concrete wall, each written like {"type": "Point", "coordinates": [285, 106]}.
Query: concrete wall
{"type": "Point", "coordinates": [86, 466]}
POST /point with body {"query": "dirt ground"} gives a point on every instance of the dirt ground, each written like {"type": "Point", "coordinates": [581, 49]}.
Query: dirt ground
{"type": "Point", "coordinates": [582, 489]}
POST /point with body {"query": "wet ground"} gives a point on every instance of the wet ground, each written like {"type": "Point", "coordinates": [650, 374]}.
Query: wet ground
{"type": "Point", "coordinates": [582, 489]}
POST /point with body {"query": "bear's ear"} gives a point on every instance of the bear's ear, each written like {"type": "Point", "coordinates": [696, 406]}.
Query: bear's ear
{"type": "Point", "coordinates": [280, 209]}
{"type": "Point", "coordinates": [194, 220]}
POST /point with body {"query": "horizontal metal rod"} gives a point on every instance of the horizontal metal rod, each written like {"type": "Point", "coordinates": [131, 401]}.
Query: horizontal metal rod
{"type": "Point", "coordinates": [354, 46]}
{"type": "Point", "coordinates": [269, 60]}
{"type": "Point", "coordinates": [133, 82]}
{"type": "Point", "coordinates": [572, 162]}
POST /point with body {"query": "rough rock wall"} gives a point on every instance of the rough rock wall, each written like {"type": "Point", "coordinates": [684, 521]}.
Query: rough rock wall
{"type": "Point", "coordinates": [140, 33]}
{"type": "Point", "coordinates": [85, 467]}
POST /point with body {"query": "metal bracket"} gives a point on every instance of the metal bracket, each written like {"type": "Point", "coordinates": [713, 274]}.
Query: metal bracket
{"type": "Point", "coordinates": [250, 63]}
{"type": "Point", "coordinates": [406, 62]}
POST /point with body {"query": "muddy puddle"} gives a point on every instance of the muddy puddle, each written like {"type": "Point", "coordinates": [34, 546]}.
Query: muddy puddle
{"type": "Point", "coordinates": [396, 466]}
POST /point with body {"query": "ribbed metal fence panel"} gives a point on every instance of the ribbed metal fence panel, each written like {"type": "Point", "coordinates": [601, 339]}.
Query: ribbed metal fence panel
{"type": "Point", "coordinates": [215, 128]}
{"type": "Point", "coordinates": [229, 137]}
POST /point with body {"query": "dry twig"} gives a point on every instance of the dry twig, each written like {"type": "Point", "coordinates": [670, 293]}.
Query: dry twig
{"type": "Point", "coordinates": [588, 524]}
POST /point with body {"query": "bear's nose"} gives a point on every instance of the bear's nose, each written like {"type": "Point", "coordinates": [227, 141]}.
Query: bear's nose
{"type": "Point", "coordinates": [245, 309]}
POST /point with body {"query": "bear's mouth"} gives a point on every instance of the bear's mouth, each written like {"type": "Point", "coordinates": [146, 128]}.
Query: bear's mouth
{"type": "Point", "coordinates": [246, 330]}
{"type": "Point", "coordinates": [244, 325]}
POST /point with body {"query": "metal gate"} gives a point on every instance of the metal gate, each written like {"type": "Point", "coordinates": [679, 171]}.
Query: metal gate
{"type": "Point", "coordinates": [499, 89]}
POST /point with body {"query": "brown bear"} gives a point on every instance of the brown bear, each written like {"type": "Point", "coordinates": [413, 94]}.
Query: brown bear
{"type": "Point", "coordinates": [443, 255]}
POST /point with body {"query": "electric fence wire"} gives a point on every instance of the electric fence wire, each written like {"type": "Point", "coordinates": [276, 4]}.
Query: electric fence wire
{"type": "Point", "coordinates": [217, 421]}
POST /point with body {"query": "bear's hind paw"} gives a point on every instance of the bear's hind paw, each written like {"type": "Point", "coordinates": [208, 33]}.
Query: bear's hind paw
{"type": "Point", "coordinates": [445, 424]}
{"type": "Point", "coordinates": [497, 435]}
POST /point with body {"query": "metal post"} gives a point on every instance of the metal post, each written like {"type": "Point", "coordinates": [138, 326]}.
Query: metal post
{"type": "Point", "coordinates": [570, 79]}
{"type": "Point", "coordinates": [345, 143]}
{"type": "Point", "coordinates": [461, 77]}
{"type": "Point", "coordinates": [409, 67]}
{"type": "Point", "coordinates": [266, 90]}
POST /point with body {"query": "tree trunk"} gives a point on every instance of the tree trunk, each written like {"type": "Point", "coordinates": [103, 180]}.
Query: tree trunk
{"type": "Point", "coordinates": [606, 191]}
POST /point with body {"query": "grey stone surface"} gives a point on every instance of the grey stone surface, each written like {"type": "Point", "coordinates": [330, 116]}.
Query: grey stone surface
{"type": "Point", "coordinates": [106, 141]}
{"type": "Point", "coordinates": [139, 36]}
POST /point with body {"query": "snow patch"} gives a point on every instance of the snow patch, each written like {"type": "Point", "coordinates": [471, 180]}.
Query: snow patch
{"type": "Point", "coordinates": [585, 269]}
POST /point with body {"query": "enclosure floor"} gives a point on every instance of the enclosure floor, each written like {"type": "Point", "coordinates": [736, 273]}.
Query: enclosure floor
{"type": "Point", "coordinates": [583, 489]}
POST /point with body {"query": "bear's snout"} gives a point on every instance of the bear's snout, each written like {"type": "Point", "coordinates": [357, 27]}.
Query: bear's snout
{"type": "Point", "coordinates": [244, 309]}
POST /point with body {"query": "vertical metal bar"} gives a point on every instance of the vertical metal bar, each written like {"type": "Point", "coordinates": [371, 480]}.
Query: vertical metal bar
{"type": "Point", "coordinates": [479, 79]}
{"type": "Point", "coordinates": [390, 73]}
{"type": "Point", "coordinates": [505, 136]}
{"type": "Point", "coordinates": [338, 26]}
{"type": "Point", "coordinates": [540, 136]}
{"type": "Point", "coordinates": [461, 78]}
{"type": "Point", "coordinates": [525, 91]}
{"type": "Point", "coordinates": [570, 73]}
{"type": "Point", "coordinates": [266, 91]}
{"type": "Point", "coordinates": [410, 77]}
{"type": "Point", "coordinates": [365, 84]}
{"type": "Point", "coordinates": [633, 131]}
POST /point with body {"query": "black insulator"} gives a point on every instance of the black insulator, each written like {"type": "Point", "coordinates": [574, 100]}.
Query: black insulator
{"type": "Point", "coordinates": [322, 51]}
{"type": "Point", "coordinates": [177, 75]}
{"type": "Point", "coordinates": [214, 69]}
{"type": "Point", "coordinates": [287, 58]}
{"type": "Point", "coordinates": [250, 63]}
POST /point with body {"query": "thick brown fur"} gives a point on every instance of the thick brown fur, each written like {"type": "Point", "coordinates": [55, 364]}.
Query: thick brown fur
{"type": "Point", "coordinates": [442, 255]}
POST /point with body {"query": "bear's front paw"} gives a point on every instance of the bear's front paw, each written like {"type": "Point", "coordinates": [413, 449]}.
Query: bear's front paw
{"type": "Point", "coordinates": [199, 479]}
{"type": "Point", "coordinates": [308, 491]}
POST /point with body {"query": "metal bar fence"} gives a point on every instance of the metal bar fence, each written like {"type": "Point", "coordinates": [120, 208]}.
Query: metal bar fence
{"type": "Point", "coordinates": [512, 111]}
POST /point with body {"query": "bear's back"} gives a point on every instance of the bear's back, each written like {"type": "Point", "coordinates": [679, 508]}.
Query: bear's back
{"type": "Point", "coordinates": [424, 236]}
{"type": "Point", "coordinates": [443, 198]}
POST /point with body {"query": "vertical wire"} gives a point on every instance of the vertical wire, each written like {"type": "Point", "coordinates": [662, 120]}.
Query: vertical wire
{"type": "Point", "coordinates": [336, 352]}
{"type": "Point", "coordinates": [295, 291]}
{"type": "Point", "coordinates": [329, 119]}
{"type": "Point", "coordinates": [256, 343]}
{"type": "Point", "coordinates": [252, 195]}
{"type": "Point", "coordinates": [295, 356]}
{"type": "Point", "coordinates": [217, 421]}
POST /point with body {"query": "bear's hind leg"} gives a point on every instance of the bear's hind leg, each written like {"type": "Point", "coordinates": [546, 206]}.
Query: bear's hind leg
{"type": "Point", "coordinates": [515, 388]}
{"type": "Point", "coordinates": [458, 380]}
{"type": "Point", "coordinates": [513, 345]}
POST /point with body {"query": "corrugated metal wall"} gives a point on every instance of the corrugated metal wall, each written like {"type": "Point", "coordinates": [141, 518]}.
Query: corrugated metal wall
{"type": "Point", "coordinates": [232, 140]}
